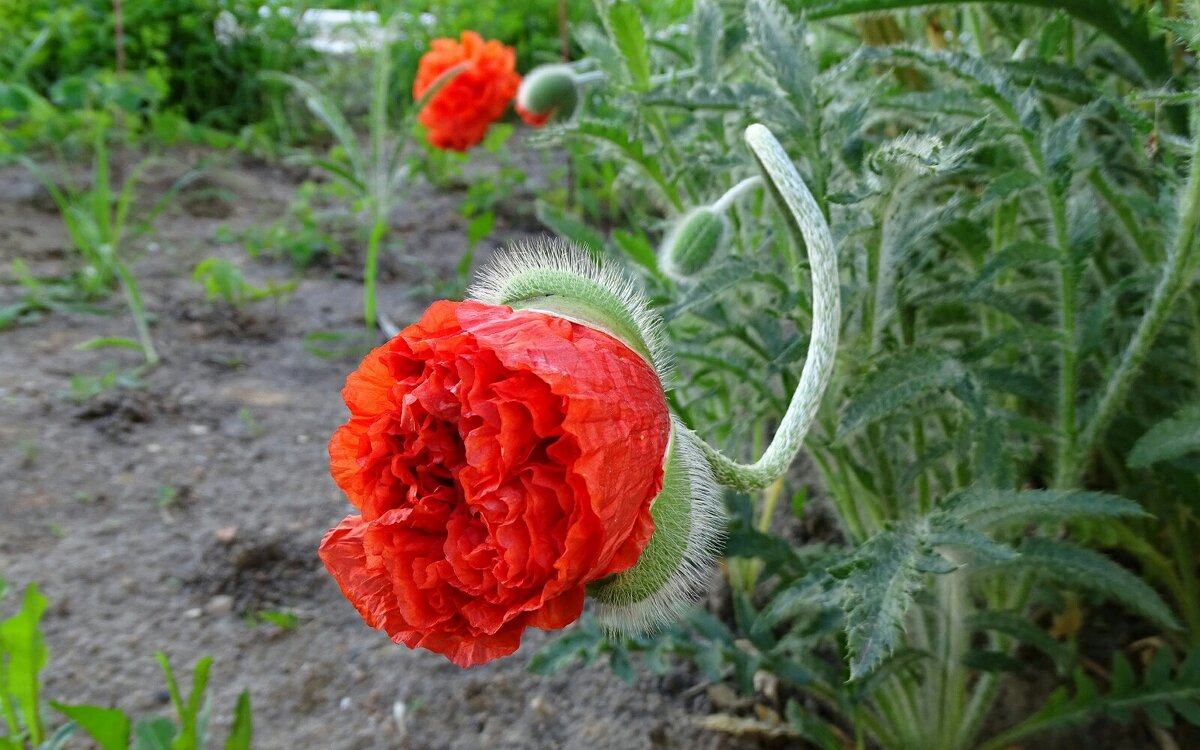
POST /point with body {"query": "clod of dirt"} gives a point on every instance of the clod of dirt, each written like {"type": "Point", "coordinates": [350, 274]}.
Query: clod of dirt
{"type": "Point", "coordinates": [261, 322]}
{"type": "Point", "coordinates": [117, 412]}
{"type": "Point", "coordinates": [257, 572]}
{"type": "Point", "coordinates": [205, 198]}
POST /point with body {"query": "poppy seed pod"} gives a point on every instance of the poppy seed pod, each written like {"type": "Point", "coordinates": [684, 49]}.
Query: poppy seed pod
{"type": "Point", "coordinates": [547, 91]}
{"type": "Point", "coordinates": [692, 242]}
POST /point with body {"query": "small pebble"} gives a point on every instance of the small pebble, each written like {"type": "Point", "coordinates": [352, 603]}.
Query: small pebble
{"type": "Point", "coordinates": [345, 703]}
{"type": "Point", "coordinates": [540, 706]}
{"type": "Point", "coordinates": [193, 613]}
{"type": "Point", "coordinates": [221, 604]}
{"type": "Point", "coordinates": [226, 534]}
{"type": "Point", "coordinates": [153, 448]}
{"type": "Point", "coordinates": [197, 429]}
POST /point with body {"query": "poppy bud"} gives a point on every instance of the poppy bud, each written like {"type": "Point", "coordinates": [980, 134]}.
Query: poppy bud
{"type": "Point", "coordinates": [692, 243]}
{"type": "Point", "coordinates": [513, 451]}
{"type": "Point", "coordinates": [547, 91]}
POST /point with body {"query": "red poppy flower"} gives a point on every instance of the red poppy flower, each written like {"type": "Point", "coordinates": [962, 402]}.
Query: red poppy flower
{"type": "Point", "coordinates": [457, 116]}
{"type": "Point", "coordinates": [501, 461]}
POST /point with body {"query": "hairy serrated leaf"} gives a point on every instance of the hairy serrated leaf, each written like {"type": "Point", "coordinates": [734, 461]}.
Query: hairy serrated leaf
{"type": "Point", "coordinates": [983, 508]}
{"type": "Point", "coordinates": [625, 27]}
{"type": "Point", "coordinates": [895, 382]}
{"type": "Point", "coordinates": [781, 48]}
{"type": "Point", "coordinates": [1169, 439]}
{"type": "Point", "coordinates": [1076, 567]}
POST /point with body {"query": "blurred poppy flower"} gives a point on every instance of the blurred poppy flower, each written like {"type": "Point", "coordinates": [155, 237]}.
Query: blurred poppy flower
{"type": "Point", "coordinates": [501, 461]}
{"type": "Point", "coordinates": [457, 116]}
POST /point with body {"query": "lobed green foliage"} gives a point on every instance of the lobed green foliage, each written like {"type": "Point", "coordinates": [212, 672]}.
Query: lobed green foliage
{"type": "Point", "coordinates": [1014, 193]}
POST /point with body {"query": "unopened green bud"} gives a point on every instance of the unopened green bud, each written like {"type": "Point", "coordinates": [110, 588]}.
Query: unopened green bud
{"type": "Point", "coordinates": [547, 91]}
{"type": "Point", "coordinates": [692, 243]}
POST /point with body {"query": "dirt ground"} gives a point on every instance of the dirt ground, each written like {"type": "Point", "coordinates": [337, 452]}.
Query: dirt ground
{"type": "Point", "coordinates": [158, 518]}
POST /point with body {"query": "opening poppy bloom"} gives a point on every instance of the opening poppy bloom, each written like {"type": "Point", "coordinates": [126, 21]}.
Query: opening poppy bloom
{"type": "Point", "coordinates": [458, 115]}
{"type": "Point", "coordinates": [548, 91]}
{"type": "Point", "coordinates": [501, 461]}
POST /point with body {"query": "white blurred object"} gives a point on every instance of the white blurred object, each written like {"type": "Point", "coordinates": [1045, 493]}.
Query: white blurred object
{"type": "Point", "coordinates": [329, 31]}
{"type": "Point", "coordinates": [400, 716]}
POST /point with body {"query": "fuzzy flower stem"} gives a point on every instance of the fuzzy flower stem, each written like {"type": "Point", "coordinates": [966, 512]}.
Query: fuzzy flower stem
{"type": "Point", "coordinates": [590, 77]}
{"type": "Point", "coordinates": [593, 76]}
{"type": "Point", "coordinates": [737, 191]}
{"type": "Point", "coordinates": [1177, 273]}
{"type": "Point", "coordinates": [794, 196]}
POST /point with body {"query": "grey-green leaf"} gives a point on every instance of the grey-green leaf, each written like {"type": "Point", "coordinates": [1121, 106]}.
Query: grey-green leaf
{"type": "Point", "coordinates": [709, 27]}
{"type": "Point", "coordinates": [1084, 569]}
{"type": "Point", "coordinates": [569, 227]}
{"type": "Point", "coordinates": [896, 382]}
{"type": "Point", "coordinates": [624, 23]}
{"type": "Point", "coordinates": [1169, 439]}
{"type": "Point", "coordinates": [984, 508]}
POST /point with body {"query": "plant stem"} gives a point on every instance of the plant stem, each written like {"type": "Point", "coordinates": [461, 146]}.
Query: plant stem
{"type": "Point", "coordinates": [371, 269]}
{"type": "Point", "coordinates": [793, 195]}
{"type": "Point", "coordinates": [1068, 357]}
{"type": "Point", "coordinates": [737, 191]}
{"type": "Point", "coordinates": [1177, 274]}
{"type": "Point", "coordinates": [134, 298]}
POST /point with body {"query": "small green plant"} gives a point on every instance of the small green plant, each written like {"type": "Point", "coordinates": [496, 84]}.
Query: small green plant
{"type": "Point", "coordinates": [223, 281]}
{"type": "Point", "coordinates": [97, 218]}
{"type": "Point", "coordinates": [282, 619]}
{"type": "Point", "coordinates": [374, 177]}
{"type": "Point", "coordinates": [254, 428]}
{"type": "Point", "coordinates": [41, 296]}
{"type": "Point", "coordinates": [23, 656]}
{"type": "Point", "coordinates": [303, 236]}
{"type": "Point", "coordinates": [86, 386]}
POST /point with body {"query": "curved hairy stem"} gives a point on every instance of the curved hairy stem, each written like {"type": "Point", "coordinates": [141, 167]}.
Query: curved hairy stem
{"type": "Point", "coordinates": [803, 212]}
{"type": "Point", "coordinates": [737, 191]}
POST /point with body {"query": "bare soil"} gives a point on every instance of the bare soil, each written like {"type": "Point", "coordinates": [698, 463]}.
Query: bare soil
{"type": "Point", "coordinates": [159, 518]}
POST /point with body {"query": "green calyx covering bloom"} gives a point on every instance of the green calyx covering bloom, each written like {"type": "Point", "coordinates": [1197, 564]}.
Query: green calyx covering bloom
{"type": "Point", "coordinates": [548, 91]}
{"type": "Point", "coordinates": [674, 568]}
{"type": "Point", "coordinates": [692, 243]}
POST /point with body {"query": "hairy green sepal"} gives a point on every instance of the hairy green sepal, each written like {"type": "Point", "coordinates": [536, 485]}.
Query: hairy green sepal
{"type": "Point", "coordinates": [576, 298]}
{"type": "Point", "coordinates": [672, 514]}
